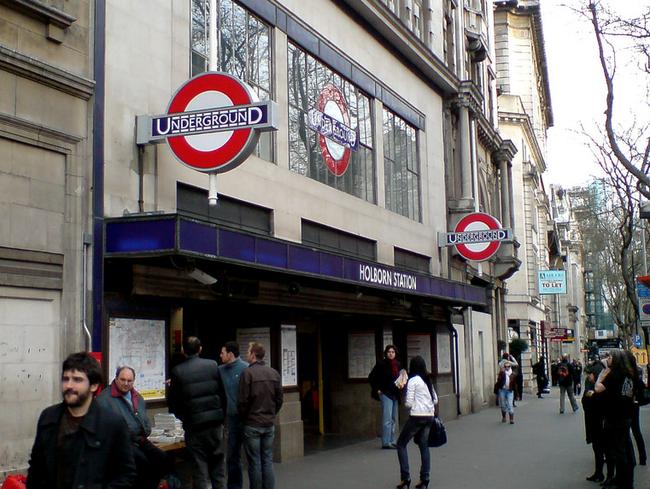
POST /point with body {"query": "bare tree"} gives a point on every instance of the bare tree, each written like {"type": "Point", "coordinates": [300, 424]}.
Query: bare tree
{"type": "Point", "coordinates": [614, 33]}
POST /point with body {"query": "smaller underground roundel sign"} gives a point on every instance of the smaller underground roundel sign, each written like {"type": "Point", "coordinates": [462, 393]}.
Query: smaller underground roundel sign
{"type": "Point", "coordinates": [212, 123]}
{"type": "Point", "coordinates": [331, 120]}
{"type": "Point", "coordinates": [477, 236]}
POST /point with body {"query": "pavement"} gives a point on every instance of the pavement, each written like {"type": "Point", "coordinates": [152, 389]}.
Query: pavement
{"type": "Point", "coordinates": [542, 450]}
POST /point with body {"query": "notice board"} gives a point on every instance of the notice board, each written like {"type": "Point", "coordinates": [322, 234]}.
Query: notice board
{"type": "Point", "coordinates": [139, 343]}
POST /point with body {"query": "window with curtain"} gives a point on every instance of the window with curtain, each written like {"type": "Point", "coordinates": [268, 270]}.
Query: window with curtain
{"type": "Point", "coordinates": [308, 77]}
{"type": "Point", "coordinates": [244, 51]}
{"type": "Point", "coordinates": [401, 166]}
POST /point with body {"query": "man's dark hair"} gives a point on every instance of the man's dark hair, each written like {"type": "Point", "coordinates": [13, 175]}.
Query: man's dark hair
{"type": "Point", "coordinates": [84, 362]}
{"type": "Point", "coordinates": [191, 345]}
{"type": "Point", "coordinates": [258, 350]}
{"type": "Point", "coordinates": [232, 347]}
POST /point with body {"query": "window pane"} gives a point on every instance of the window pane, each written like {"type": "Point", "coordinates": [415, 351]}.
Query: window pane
{"type": "Point", "coordinates": [401, 167]}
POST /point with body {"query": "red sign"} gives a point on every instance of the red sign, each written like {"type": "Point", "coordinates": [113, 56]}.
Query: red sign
{"type": "Point", "coordinates": [217, 114]}
{"type": "Point", "coordinates": [477, 228]}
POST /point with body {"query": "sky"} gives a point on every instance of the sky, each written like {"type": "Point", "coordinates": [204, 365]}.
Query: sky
{"type": "Point", "coordinates": [578, 88]}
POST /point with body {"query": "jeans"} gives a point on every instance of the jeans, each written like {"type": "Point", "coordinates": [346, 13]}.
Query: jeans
{"type": "Point", "coordinates": [506, 398]}
{"type": "Point", "coordinates": [417, 427]}
{"type": "Point", "coordinates": [258, 445]}
{"type": "Point", "coordinates": [389, 422]}
{"type": "Point", "coordinates": [233, 456]}
{"type": "Point", "coordinates": [567, 390]}
{"type": "Point", "coordinates": [205, 446]}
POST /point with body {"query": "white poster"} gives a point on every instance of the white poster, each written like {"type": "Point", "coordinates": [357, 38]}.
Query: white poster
{"type": "Point", "coordinates": [289, 355]}
{"type": "Point", "coordinates": [419, 344]}
{"type": "Point", "coordinates": [388, 337]}
{"type": "Point", "coordinates": [361, 354]}
{"type": "Point", "coordinates": [443, 348]}
{"type": "Point", "coordinates": [255, 335]}
{"type": "Point", "coordinates": [139, 343]}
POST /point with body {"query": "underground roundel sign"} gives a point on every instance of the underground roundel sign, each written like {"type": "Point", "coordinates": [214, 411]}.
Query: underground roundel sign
{"type": "Point", "coordinates": [331, 120]}
{"type": "Point", "coordinates": [477, 236]}
{"type": "Point", "coordinates": [212, 122]}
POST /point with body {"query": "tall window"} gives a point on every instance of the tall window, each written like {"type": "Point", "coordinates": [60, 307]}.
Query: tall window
{"type": "Point", "coordinates": [308, 80]}
{"type": "Point", "coordinates": [244, 51]}
{"type": "Point", "coordinates": [401, 167]}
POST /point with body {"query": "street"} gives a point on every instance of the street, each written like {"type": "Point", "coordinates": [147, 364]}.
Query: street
{"type": "Point", "coordinates": [542, 450]}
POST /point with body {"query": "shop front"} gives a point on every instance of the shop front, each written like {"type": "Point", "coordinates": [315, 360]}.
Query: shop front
{"type": "Point", "coordinates": [324, 318]}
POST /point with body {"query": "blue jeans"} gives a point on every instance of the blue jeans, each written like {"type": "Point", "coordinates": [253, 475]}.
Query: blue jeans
{"type": "Point", "coordinates": [233, 455]}
{"type": "Point", "coordinates": [417, 427]}
{"type": "Point", "coordinates": [258, 444]}
{"type": "Point", "coordinates": [505, 401]}
{"type": "Point", "coordinates": [389, 421]}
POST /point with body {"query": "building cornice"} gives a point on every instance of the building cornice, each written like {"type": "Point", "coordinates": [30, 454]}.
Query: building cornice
{"type": "Point", "coordinates": [389, 26]}
{"type": "Point", "coordinates": [523, 120]}
{"type": "Point", "coordinates": [46, 74]}
{"type": "Point", "coordinates": [41, 11]}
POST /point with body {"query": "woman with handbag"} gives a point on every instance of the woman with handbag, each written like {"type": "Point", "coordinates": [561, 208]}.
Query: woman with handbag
{"type": "Point", "coordinates": [507, 388]}
{"type": "Point", "coordinates": [421, 399]}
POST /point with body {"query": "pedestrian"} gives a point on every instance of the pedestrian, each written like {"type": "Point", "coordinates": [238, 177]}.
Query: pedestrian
{"type": "Point", "coordinates": [196, 396]}
{"type": "Point", "coordinates": [78, 442]}
{"type": "Point", "coordinates": [382, 380]}
{"type": "Point", "coordinates": [565, 381]}
{"type": "Point", "coordinates": [617, 383]}
{"type": "Point", "coordinates": [508, 358]}
{"type": "Point", "coordinates": [231, 369]}
{"type": "Point", "coordinates": [258, 403]}
{"type": "Point", "coordinates": [507, 389]}
{"type": "Point", "coordinates": [421, 399]}
{"type": "Point", "coordinates": [125, 401]}
{"type": "Point", "coordinates": [577, 377]}
{"type": "Point", "coordinates": [539, 370]}
{"type": "Point", "coordinates": [592, 404]}
{"type": "Point", "coordinates": [639, 399]}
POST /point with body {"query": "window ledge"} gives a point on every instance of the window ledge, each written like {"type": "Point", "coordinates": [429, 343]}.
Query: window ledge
{"type": "Point", "coordinates": [55, 19]}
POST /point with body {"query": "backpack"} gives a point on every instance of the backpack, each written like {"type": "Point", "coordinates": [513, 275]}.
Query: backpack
{"type": "Point", "coordinates": [562, 371]}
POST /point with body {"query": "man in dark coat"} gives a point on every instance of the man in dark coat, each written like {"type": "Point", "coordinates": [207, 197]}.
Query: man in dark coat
{"type": "Point", "coordinates": [197, 397]}
{"type": "Point", "coordinates": [78, 443]}
{"type": "Point", "coordinates": [565, 381]}
{"type": "Point", "coordinates": [539, 370]}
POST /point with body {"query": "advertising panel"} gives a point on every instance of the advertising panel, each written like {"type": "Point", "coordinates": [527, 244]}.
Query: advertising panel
{"type": "Point", "coordinates": [551, 282]}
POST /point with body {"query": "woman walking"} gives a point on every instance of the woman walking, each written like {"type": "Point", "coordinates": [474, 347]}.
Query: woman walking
{"type": "Point", "coordinates": [507, 385]}
{"type": "Point", "coordinates": [382, 382]}
{"type": "Point", "coordinates": [421, 398]}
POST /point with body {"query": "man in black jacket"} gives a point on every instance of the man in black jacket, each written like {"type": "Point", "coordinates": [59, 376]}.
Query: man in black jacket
{"type": "Point", "coordinates": [78, 443]}
{"type": "Point", "coordinates": [197, 397]}
{"type": "Point", "coordinates": [259, 400]}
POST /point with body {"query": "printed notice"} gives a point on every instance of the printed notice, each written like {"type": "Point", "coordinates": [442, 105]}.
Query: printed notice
{"type": "Point", "coordinates": [289, 355]}
{"type": "Point", "coordinates": [361, 354]}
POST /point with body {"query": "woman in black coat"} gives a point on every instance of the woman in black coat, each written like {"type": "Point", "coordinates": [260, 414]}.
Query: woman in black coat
{"type": "Point", "coordinates": [594, 418]}
{"type": "Point", "coordinates": [382, 382]}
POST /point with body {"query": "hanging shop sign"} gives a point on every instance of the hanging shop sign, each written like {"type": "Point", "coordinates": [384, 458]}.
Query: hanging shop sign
{"type": "Point", "coordinates": [477, 236]}
{"type": "Point", "coordinates": [212, 123]}
{"type": "Point", "coordinates": [551, 282]}
{"type": "Point", "coordinates": [331, 120]}
{"type": "Point", "coordinates": [643, 293]}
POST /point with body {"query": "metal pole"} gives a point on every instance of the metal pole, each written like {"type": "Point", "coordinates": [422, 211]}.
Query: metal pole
{"type": "Point", "coordinates": [213, 60]}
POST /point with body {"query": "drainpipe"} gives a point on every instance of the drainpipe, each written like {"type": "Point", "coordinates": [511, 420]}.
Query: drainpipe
{"type": "Point", "coordinates": [140, 178]}
{"type": "Point", "coordinates": [99, 54]}
{"type": "Point", "coordinates": [84, 293]}
{"type": "Point", "coordinates": [454, 333]}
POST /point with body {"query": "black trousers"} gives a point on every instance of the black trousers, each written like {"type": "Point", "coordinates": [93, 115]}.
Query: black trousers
{"type": "Point", "coordinates": [620, 451]}
{"type": "Point", "coordinates": [638, 437]}
{"type": "Point", "coordinates": [151, 465]}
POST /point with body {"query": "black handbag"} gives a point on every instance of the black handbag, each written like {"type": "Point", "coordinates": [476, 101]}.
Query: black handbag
{"type": "Point", "coordinates": [437, 433]}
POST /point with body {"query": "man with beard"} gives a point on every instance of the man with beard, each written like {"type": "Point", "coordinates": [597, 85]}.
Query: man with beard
{"type": "Point", "coordinates": [78, 443]}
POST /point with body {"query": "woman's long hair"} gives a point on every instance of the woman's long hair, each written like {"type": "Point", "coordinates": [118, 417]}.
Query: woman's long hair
{"type": "Point", "coordinates": [621, 363]}
{"type": "Point", "coordinates": [418, 366]}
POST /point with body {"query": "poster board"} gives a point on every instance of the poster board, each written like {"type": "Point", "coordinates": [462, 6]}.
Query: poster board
{"type": "Point", "coordinates": [257, 335]}
{"type": "Point", "coordinates": [387, 337]}
{"type": "Point", "coordinates": [289, 367]}
{"type": "Point", "coordinates": [361, 354]}
{"type": "Point", "coordinates": [419, 344]}
{"type": "Point", "coordinates": [139, 343]}
{"type": "Point", "coordinates": [443, 351]}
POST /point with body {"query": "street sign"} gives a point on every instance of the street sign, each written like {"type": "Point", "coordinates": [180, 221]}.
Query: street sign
{"type": "Point", "coordinates": [212, 122]}
{"type": "Point", "coordinates": [641, 356]}
{"type": "Point", "coordinates": [643, 293]}
{"type": "Point", "coordinates": [637, 340]}
{"type": "Point", "coordinates": [476, 237]}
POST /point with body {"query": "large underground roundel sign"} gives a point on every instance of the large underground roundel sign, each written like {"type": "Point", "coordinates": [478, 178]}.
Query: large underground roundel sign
{"type": "Point", "coordinates": [476, 229]}
{"type": "Point", "coordinates": [331, 120]}
{"type": "Point", "coordinates": [212, 122]}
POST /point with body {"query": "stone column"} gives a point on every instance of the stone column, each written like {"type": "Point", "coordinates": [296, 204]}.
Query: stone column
{"type": "Point", "coordinates": [465, 157]}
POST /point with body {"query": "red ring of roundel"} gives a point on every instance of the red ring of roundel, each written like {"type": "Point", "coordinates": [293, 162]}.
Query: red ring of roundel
{"type": "Point", "coordinates": [337, 167]}
{"type": "Point", "coordinates": [492, 247]}
{"type": "Point", "coordinates": [209, 160]}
